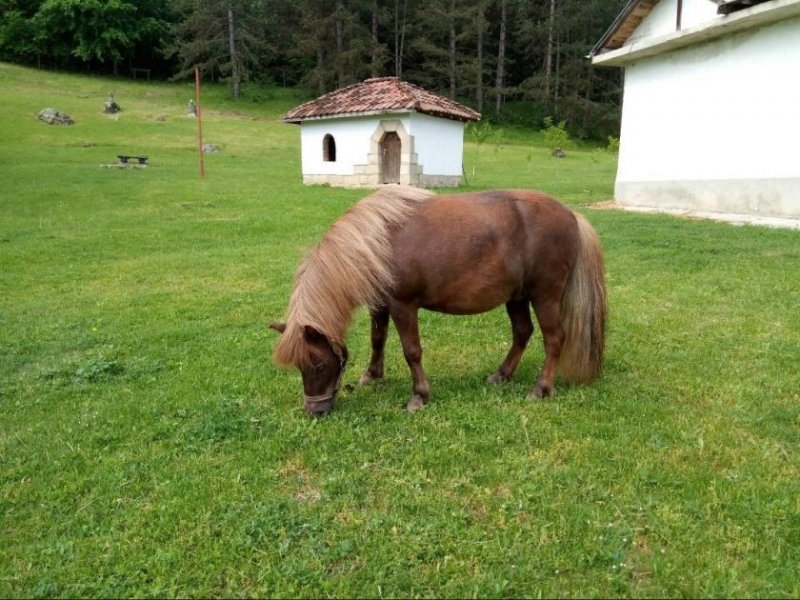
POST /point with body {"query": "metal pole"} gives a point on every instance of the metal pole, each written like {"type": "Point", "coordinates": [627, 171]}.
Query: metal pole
{"type": "Point", "coordinates": [199, 121]}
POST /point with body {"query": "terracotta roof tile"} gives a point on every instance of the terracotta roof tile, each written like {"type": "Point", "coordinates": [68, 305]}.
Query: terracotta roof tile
{"type": "Point", "coordinates": [377, 95]}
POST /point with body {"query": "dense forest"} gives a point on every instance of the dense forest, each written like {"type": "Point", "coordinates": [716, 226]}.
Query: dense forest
{"type": "Point", "coordinates": [513, 60]}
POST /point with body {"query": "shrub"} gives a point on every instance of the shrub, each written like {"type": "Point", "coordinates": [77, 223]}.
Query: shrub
{"type": "Point", "coordinates": [555, 136]}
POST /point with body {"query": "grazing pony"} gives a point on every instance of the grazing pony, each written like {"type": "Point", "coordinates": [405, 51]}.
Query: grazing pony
{"type": "Point", "coordinates": [402, 249]}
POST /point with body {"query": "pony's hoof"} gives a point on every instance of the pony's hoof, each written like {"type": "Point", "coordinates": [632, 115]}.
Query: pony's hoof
{"type": "Point", "coordinates": [415, 404]}
{"type": "Point", "coordinates": [540, 392]}
{"type": "Point", "coordinates": [496, 378]}
{"type": "Point", "coordinates": [367, 378]}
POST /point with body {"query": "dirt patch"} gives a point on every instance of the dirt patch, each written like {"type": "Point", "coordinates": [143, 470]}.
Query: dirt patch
{"type": "Point", "coordinates": [233, 114]}
{"type": "Point", "coordinates": [299, 481]}
{"type": "Point", "coordinates": [605, 205]}
{"type": "Point", "coordinates": [733, 219]}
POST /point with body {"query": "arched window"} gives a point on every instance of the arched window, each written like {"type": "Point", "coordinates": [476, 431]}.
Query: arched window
{"type": "Point", "coordinates": [328, 148]}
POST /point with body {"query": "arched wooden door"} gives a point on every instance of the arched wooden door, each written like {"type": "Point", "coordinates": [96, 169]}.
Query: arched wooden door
{"type": "Point", "coordinates": [390, 157]}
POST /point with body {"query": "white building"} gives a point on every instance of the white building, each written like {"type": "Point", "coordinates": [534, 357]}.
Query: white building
{"type": "Point", "coordinates": [711, 107]}
{"type": "Point", "coordinates": [383, 130]}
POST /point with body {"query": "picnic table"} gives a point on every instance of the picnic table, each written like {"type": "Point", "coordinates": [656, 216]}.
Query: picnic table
{"type": "Point", "coordinates": [123, 159]}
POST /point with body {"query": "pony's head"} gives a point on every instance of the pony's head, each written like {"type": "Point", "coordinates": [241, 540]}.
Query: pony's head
{"type": "Point", "coordinates": [350, 267]}
{"type": "Point", "coordinates": [321, 369]}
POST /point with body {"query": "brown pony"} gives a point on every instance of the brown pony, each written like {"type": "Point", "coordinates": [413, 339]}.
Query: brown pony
{"type": "Point", "coordinates": [402, 249]}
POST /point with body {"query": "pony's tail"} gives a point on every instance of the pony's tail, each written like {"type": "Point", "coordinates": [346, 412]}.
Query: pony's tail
{"type": "Point", "coordinates": [583, 310]}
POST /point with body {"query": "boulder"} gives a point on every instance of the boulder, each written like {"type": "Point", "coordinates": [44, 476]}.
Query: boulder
{"type": "Point", "coordinates": [55, 117]}
{"type": "Point", "coordinates": [110, 106]}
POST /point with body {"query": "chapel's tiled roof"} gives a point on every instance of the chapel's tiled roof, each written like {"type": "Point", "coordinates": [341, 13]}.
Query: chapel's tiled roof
{"type": "Point", "coordinates": [379, 95]}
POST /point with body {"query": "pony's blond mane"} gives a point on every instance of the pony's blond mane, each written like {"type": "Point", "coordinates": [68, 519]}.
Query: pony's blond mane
{"type": "Point", "coordinates": [349, 267]}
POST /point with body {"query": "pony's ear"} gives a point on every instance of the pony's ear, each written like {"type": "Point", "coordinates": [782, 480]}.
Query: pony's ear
{"type": "Point", "coordinates": [279, 327]}
{"type": "Point", "coordinates": [312, 335]}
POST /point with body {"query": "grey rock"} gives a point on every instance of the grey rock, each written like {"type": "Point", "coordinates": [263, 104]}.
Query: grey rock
{"type": "Point", "coordinates": [55, 117]}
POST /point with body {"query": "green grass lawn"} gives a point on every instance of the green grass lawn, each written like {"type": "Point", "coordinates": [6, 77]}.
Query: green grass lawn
{"type": "Point", "coordinates": [148, 447]}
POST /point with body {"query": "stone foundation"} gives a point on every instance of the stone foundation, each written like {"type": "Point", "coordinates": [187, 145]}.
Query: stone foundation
{"type": "Point", "coordinates": [372, 181]}
{"type": "Point", "coordinates": [778, 197]}
{"type": "Point", "coordinates": [430, 181]}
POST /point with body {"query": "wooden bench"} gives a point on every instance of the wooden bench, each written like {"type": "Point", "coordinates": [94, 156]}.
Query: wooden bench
{"type": "Point", "coordinates": [135, 71]}
{"type": "Point", "coordinates": [123, 159]}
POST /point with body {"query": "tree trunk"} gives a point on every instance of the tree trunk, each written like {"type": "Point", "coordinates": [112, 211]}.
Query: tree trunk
{"type": "Point", "coordinates": [558, 69]}
{"type": "Point", "coordinates": [501, 57]}
{"type": "Point", "coordinates": [374, 68]}
{"type": "Point", "coordinates": [452, 49]}
{"type": "Point", "coordinates": [548, 58]}
{"type": "Point", "coordinates": [339, 45]}
{"type": "Point", "coordinates": [235, 75]}
{"type": "Point", "coordinates": [320, 79]}
{"type": "Point", "coordinates": [479, 67]}
{"type": "Point", "coordinates": [397, 38]}
{"type": "Point", "coordinates": [399, 35]}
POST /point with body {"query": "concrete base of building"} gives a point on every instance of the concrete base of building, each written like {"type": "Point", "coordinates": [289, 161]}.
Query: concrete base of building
{"type": "Point", "coordinates": [367, 180]}
{"type": "Point", "coordinates": [767, 198]}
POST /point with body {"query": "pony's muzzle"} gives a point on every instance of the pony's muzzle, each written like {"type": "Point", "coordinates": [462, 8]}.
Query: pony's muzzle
{"type": "Point", "coordinates": [319, 407]}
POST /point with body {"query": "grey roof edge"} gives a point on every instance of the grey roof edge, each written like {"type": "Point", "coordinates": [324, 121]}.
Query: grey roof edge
{"type": "Point", "coordinates": [756, 16]}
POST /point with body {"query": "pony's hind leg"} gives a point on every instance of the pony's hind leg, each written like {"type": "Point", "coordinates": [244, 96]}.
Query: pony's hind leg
{"type": "Point", "coordinates": [521, 330]}
{"type": "Point", "coordinates": [379, 332]}
{"type": "Point", "coordinates": [548, 313]}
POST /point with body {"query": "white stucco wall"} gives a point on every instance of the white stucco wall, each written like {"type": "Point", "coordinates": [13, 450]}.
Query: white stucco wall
{"type": "Point", "coordinates": [715, 126]}
{"type": "Point", "coordinates": [663, 18]}
{"type": "Point", "coordinates": [439, 144]}
{"type": "Point", "coordinates": [696, 12]}
{"type": "Point", "coordinates": [352, 138]}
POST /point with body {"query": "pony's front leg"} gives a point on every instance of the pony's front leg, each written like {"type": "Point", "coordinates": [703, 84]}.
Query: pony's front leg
{"type": "Point", "coordinates": [380, 330]}
{"type": "Point", "coordinates": [407, 325]}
